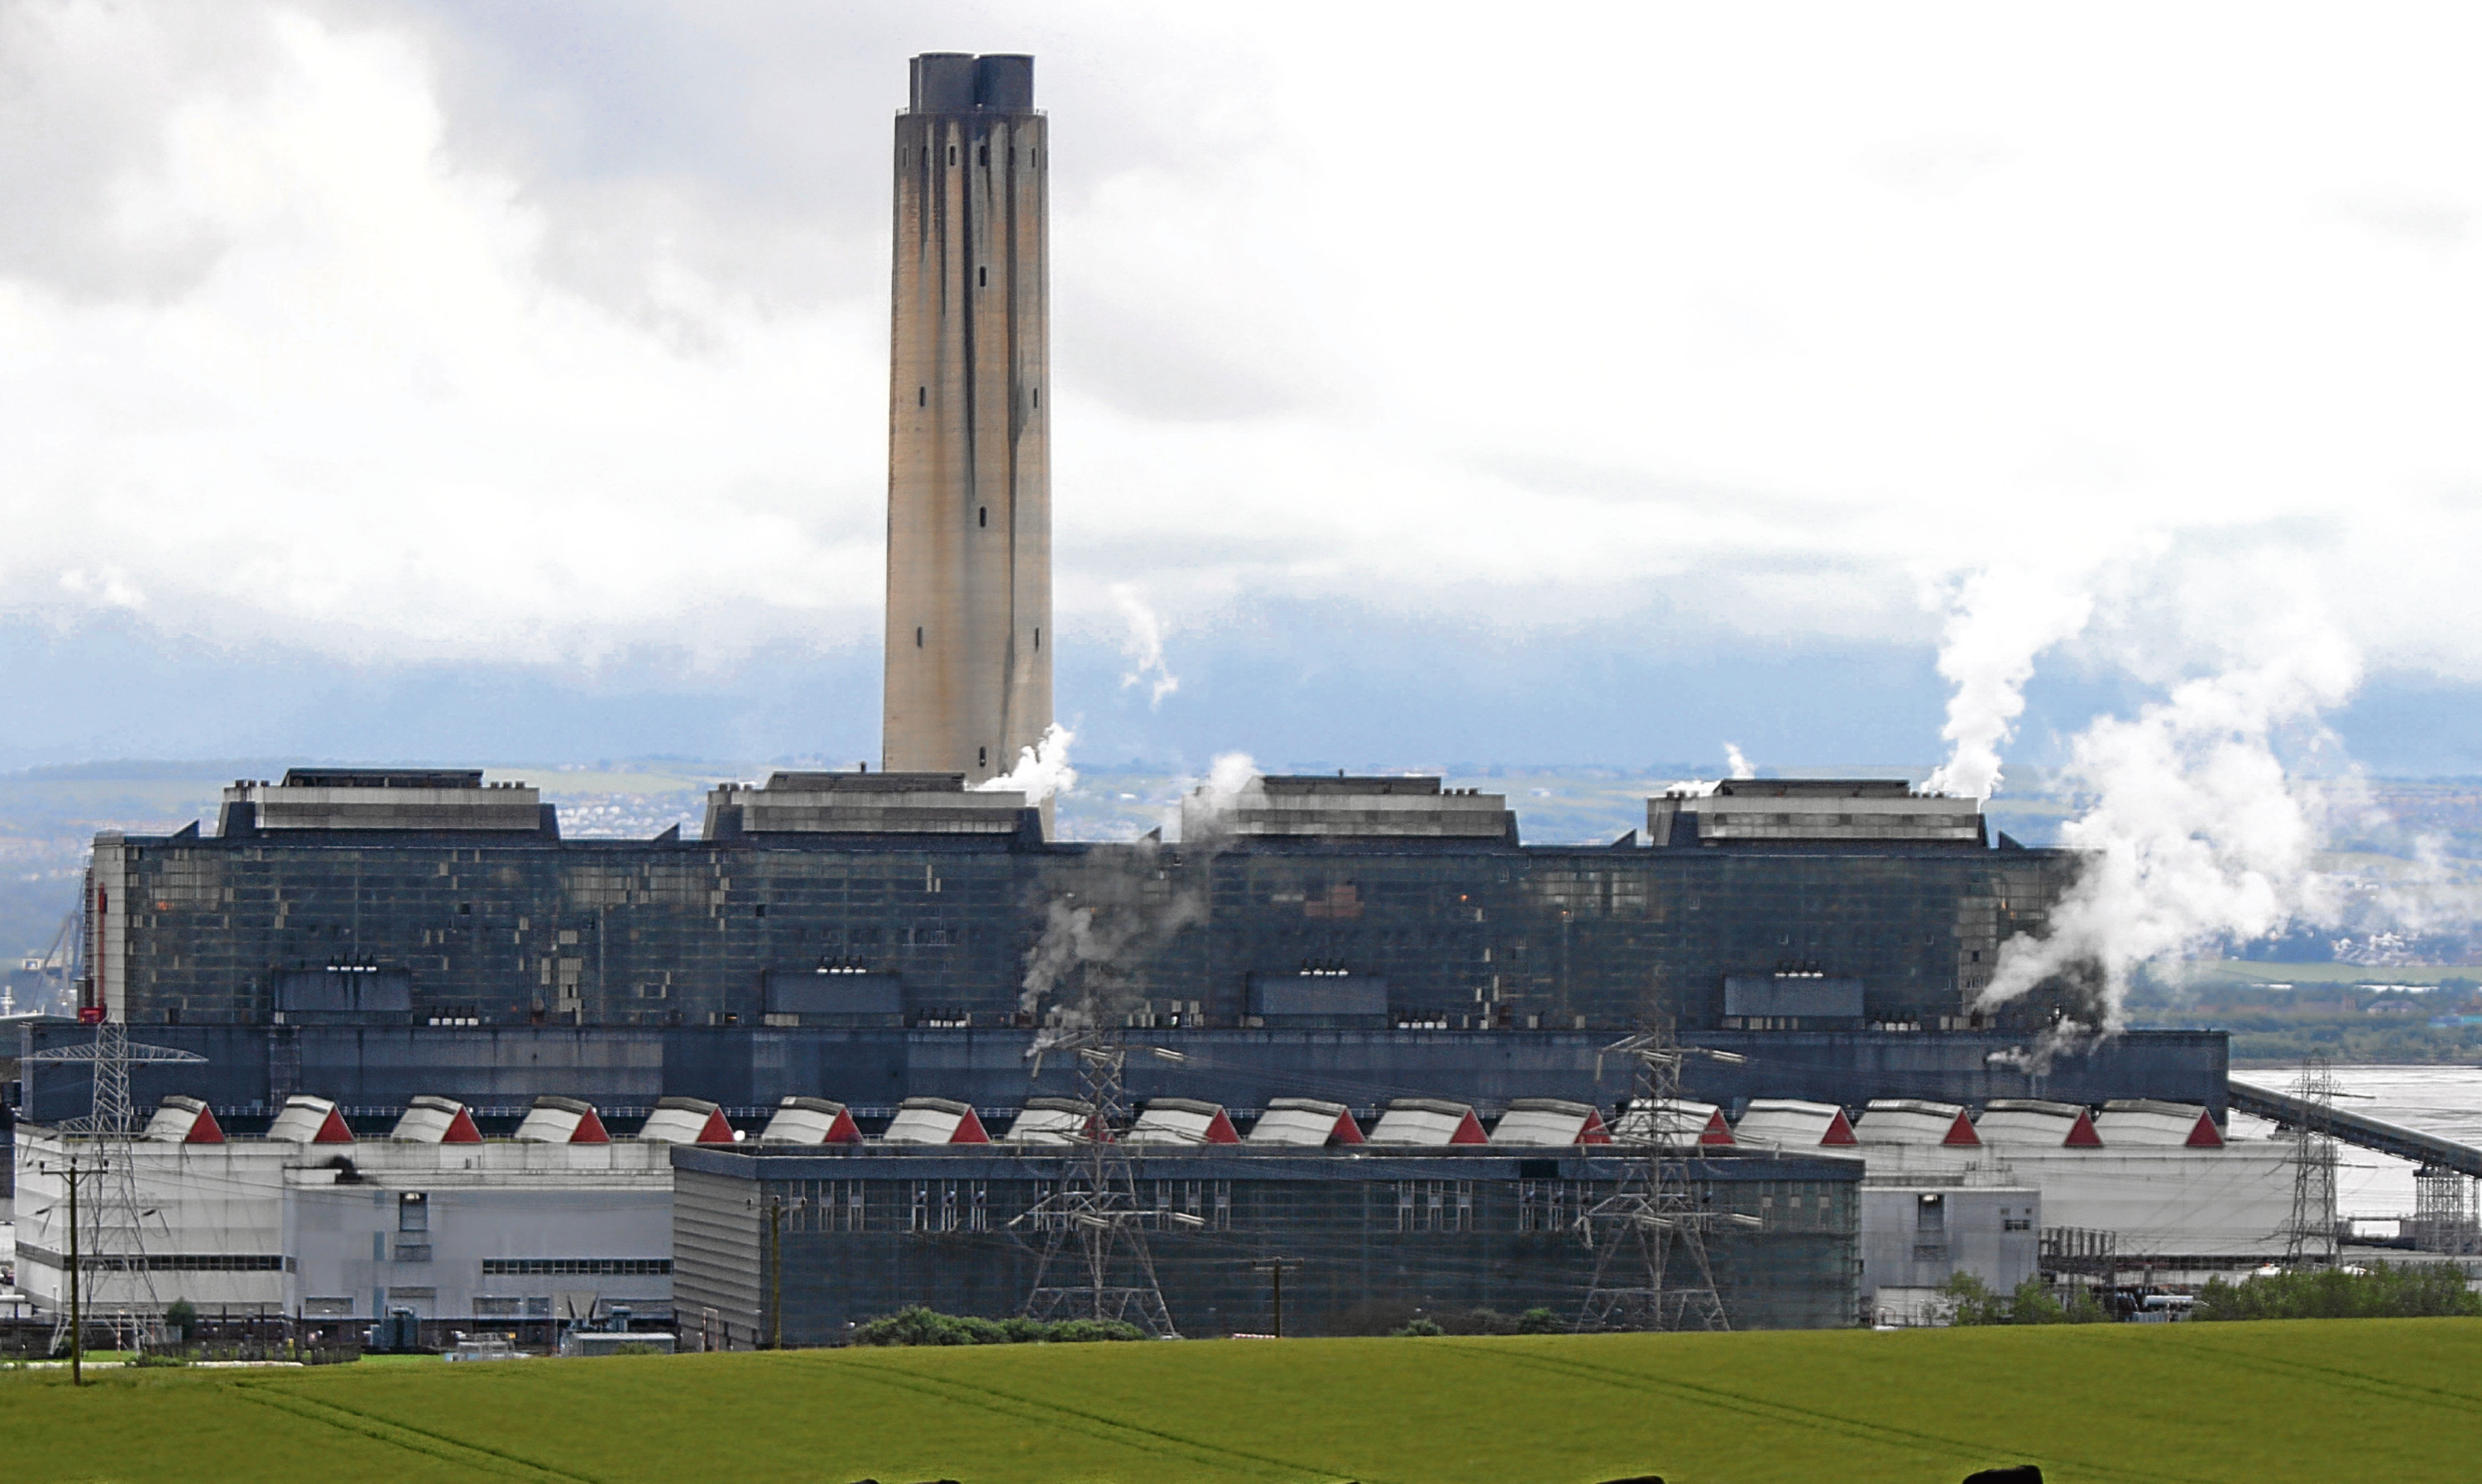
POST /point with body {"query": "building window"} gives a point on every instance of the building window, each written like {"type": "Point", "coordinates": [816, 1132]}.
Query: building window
{"type": "Point", "coordinates": [1038, 636]}
{"type": "Point", "coordinates": [952, 154]}
{"type": "Point", "coordinates": [917, 638]}
{"type": "Point", "coordinates": [982, 757]}
{"type": "Point", "coordinates": [982, 515]}
{"type": "Point", "coordinates": [922, 396]}
{"type": "Point", "coordinates": [576, 1267]}
{"type": "Point", "coordinates": [984, 156]}
{"type": "Point", "coordinates": [413, 1252]}
{"type": "Point", "coordinates": [413, 1212]}
{"type": "Point", "coordinates": [1038, 399]}
{"type": "Point", "coordinates": [982, 277]}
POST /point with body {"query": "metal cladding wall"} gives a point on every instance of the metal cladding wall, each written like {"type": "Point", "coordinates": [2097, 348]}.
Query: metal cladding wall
{"type": "Point", "coordinates": [866, 1235]}
{"type": "Point", "coordinates": [251, 1070]}
{"type": "Point", "coordinates": [1467, 934]}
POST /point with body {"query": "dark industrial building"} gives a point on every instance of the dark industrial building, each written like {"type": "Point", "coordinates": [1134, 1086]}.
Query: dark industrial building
{"type": "Point", "coordinates": [373, 936]}
{"type": "Point", "coordinates": [818, 1240]}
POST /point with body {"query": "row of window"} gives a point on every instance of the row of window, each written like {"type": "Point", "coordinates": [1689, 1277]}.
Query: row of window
{"type": "Point", "coordinates": [577, 1267]}
{"type": "Point", "coordinates": [982, 157]}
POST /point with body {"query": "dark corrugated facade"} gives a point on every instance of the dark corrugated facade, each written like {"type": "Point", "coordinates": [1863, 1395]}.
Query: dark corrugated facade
{"type": "Point", "coordinates": [862, 1236]}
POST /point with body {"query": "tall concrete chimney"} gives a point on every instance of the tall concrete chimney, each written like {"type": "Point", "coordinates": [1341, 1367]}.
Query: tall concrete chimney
{"type": "Point", "coordinates": [968, 443]}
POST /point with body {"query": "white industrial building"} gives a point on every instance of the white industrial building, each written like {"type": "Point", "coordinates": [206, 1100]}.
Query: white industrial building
{"type": "Point", "coordinates": [324, 1225]}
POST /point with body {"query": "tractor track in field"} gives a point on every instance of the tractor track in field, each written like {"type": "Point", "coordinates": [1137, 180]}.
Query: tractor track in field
{"type": "Point", "coordinates": [2406, 1392]}
{"type": "Point", "coordinates": [402, 1435]}
{"type": "Point", "coordinates": [1113, 1430]}
{"type": "Point", "coordinates": [1767, 1410]}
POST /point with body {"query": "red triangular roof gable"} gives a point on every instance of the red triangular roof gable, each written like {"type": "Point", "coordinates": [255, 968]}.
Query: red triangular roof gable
{"type": "Point", "coordinates": [2081, 1134]}
{"type": "Point", "coordinates": [1469, 1131]}
{"type": "Point", "coordinates": [1840, 1131]}
{"type": "Point", "coordinates": [589, 1129]}
{"type": "Point", "coordinates": [1220, 1131]}
{"type": "Point", "coordinates": [844, 1130]}
{"type": "Point", "coordinates": [2206, 1135]}
{"type": "Point", "coordinates": [1716, 1132]}
{"type": "Point", "coordinates": [333, 1129]}
{"type": "Point", "coordinates": [970, 1131]}
{"type": "Point", "coordinates": [1594, 1132]}
{"type": "Point", "coordinates": [204, 1129]}
{"type": "Point", "coordinates": [716, 1130]}
{"type": "Point", "coordinates": [1961, 1134]}
{"type": "Point", "coordinates": [461, 1129]}
{"type": "Point", "coordinates": [1346, 1130]}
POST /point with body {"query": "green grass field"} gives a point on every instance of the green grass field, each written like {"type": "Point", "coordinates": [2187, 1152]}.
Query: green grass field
{"type": "Point", "coordinates": [2379, 1399]}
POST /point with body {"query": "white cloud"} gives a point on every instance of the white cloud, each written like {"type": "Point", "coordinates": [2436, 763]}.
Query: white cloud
{"type": "Point", "coordinates": [411, 333]}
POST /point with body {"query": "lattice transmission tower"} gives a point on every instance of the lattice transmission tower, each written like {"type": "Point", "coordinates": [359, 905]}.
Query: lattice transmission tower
{"type": "Point", "coordinates": [1095, 1263]}
{"type": "Point", "coordinates": [2309, 1233]}
{"type": "Point", "coordinates": [113, 1232]}
{"type": "Point", "coordinates": [1653, 1268]}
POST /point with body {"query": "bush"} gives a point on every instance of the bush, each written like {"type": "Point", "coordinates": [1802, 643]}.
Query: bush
{"type": "Point", "coordinates": [180, 1320]}
{"type": "Point", "coordinates": [1421, 1327]}
{"type": "Point", "coordinates": [2383, 1293]}
{"type": "Point", "coordinates": [1970, 1301]}
{"type": "Point", "coordinates": [2033, 1304]}
{"type": "Point", "coordinates": [919, 1326]}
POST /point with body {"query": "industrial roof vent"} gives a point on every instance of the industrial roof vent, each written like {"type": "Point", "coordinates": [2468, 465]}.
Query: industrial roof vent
{"type": "Point", "coordinates": [1304, 1123]}
{"type": "Point", "coordinates": [182, 1120]}
{"type": "Point", "coordinates": [428, 1120]}
{"type": "Point", "coordinates": [307, 1120]}
{"type": "Point", "coordinates": [1428, 1123]}
{"type": "Point", "coordinates": [1550, 1123]}
{"type": "Point", "coordinates": [561, 1120]}
{"type": "Point", "coordinates": [685, 1121]}
{"type": "Point", "coordinates": [935, 1121]}
{"type": "Point", "coordinates": [811, 1121]}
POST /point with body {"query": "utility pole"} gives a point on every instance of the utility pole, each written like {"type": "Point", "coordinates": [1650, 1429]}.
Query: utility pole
{"type": "Point", "coordinates": [77, 1314]}
{"type": "Point", "coordinates": [1662, 1203]}
{"type": "Point", "coordinates": [1275, 1269]}
{"type": "Point", "coordinates": [776, 1275]}
{"type": "Point", "coordinates": [776, 1209]}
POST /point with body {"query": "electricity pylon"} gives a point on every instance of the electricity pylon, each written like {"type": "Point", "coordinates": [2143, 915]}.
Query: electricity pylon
{"type": "Point", "coordinates": [1653, 1270]}
{"type": "Point", "coordinates": [115, 1236]}
{"type": "Point", "coordinates": [1095, 1264]}
{"type": "Point", "coordinates": [2309, 1236]}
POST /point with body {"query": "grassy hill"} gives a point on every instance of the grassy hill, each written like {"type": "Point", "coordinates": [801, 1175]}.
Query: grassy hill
{"type": "Point", "coordinates": [2399, 1400]}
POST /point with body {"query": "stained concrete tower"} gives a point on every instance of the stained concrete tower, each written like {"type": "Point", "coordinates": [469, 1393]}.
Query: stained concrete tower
{"type": "Point", "coordinates": [968, 444]}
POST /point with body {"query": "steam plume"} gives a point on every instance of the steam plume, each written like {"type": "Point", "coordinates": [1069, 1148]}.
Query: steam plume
{"type": "Point", "coordinates": [1737, 762]}
{"type": "Point", "coordinates": [1144, 646]}
{"type": "Point", "coordinates": [2001, 621]}
{"type": "Point", "coordinates": [1042, 770]}
{"type": "Point", "coordinates": [2194, 832]}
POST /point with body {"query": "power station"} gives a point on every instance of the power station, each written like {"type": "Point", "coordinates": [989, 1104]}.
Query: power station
{"type": "Point", "coordinates": [837, 955]}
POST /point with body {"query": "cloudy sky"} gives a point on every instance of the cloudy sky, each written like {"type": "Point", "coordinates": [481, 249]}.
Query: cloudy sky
{"type": "Point", "coordinates": [485, 381]}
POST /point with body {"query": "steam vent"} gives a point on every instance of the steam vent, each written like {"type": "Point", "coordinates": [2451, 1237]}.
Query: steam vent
{"type": "Point", "coordinates": [969, 449]}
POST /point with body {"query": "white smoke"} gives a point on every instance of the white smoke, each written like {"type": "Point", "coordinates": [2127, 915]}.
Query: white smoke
{"type": "Point", "coordinates": [1206, 809]}
{"type": "Point", "coordinates": [1143, 645]}
{"type": "Point", "coordinates": [2196, 833]}
{"type": "Point", "coordinates": [1042, 770]}
{"type": "Point", "coordinates": [1737, 762]}
{"type": "Point", "coordinates": [1998, 623]}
